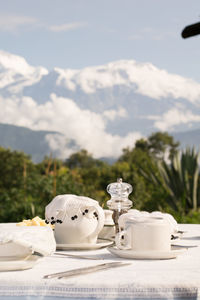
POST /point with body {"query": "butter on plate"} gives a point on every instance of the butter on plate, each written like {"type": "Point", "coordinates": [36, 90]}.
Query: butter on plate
{"type": "Point", "coordinates": [36, 221]}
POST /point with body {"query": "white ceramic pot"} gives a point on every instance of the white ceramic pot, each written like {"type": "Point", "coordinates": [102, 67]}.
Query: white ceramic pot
{"type": "Point", "coordinates": [77, 219]}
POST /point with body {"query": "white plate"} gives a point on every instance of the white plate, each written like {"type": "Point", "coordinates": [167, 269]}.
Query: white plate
{"type": "Point", "coordinates": [100, 244]}
{"type": "Point", "coordinates": [21, 264]}
{"type": "Point", "coordinates": [131, 254]}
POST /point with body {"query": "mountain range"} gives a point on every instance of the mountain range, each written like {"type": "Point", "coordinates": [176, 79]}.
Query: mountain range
{"type": "Point", "coordinates": [102, 109]}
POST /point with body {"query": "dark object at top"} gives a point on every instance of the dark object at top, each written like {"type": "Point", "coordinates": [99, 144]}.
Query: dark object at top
{"type": "Point", "coordinates": [191, 30]}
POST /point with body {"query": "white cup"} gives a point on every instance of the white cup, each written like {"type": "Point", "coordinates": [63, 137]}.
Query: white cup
{"type": "Point", "coordinates": [77, 219]}
{"type": "Point", "coordinates": [144, 234]}
{"type": "Point", "coordinates": [132, 213]}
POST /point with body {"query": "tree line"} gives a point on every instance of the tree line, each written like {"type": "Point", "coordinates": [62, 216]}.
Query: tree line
{"type": "Point", "coordinates": [163, 178]}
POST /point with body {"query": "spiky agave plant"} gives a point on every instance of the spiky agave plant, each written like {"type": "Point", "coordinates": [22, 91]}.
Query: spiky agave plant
{"type": "Point", "coordinates": [180, 178]}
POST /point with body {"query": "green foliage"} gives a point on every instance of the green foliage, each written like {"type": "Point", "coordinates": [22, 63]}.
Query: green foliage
{"type": "Point", "coordinates": [180, 179]}
{"type": "Point", "coordinates": [160, 143]}
{"type": "Point", "coordinates": [173, 186]}
{"type": "Point", "coordinates": [192, 217]}
{"type": "Point", "coordinates": [82, 159]}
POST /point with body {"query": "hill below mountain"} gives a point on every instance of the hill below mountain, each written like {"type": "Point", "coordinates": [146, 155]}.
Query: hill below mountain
{"type": "Point", "coordinates": [33, 143]}
{"type": "Point", "coordinates": [36, 143]}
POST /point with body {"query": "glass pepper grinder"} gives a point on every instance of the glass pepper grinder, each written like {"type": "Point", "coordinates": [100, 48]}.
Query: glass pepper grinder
{"type": "Point", "coordinates": [119, 201]}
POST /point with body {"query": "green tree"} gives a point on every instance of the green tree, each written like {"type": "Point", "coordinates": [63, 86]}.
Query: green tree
{"type": "Point", "coordinates": [15, 168]}
{"type": "Point", "coordinates": [82, 159]}
{"type": "Point", "coordinates": [159, 144]}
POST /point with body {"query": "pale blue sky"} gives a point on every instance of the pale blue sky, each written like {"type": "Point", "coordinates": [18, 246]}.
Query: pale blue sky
{"type": "Point", "coordinates": [80, 33]}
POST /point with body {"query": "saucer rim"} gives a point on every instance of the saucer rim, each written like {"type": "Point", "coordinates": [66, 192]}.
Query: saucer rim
{"type": "Point", "coordinates": [156, 255]}
{"type": "Point", "coordinates": [19, 264]}
{"type": "Point", "coordinates": [101, 243]}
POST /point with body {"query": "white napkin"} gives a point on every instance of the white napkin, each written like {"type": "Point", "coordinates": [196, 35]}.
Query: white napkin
{"type": "Point", "coordinates": [22, 240]}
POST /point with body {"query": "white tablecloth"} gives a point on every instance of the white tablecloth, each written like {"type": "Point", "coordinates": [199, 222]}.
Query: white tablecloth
{"type": "Point", "coordinates": [144, 279]}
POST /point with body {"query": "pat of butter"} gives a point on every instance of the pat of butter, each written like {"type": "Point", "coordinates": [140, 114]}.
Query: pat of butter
{"type": "Point", "coordinates": [36, 221]}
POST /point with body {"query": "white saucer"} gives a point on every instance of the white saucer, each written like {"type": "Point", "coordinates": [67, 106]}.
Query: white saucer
{"type": "Point", "coordinates": [100, 244]}
{"type": "Point", "coordinates": [21, 264]}
{"type": "Point", "coordinates": [131, 254]}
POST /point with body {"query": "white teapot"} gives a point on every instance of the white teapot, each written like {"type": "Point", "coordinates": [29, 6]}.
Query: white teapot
{"type": "Point", "coordinates": [77, 219]}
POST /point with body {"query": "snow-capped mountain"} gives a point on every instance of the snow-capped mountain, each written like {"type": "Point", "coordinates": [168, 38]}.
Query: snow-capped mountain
{"type": "Point", "coordinates": [103, 109]}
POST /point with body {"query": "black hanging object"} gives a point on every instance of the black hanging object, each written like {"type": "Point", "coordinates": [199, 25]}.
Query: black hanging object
{"type": "Point", "coordinates": [191, 30]}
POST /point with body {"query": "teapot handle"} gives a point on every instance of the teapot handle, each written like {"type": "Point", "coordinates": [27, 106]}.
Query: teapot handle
{"type": "Point", "coordinates": [101, 220]}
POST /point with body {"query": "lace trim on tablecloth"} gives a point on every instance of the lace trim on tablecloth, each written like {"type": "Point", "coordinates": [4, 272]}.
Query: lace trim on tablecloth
{"type": "Point", "coordinates": [101, 293]}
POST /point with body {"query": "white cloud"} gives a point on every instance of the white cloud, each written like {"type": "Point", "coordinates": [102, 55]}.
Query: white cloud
{"type": "Point", "coordinates": [87, 128]}
{"type": "Point", "coordinates": [60, 145]}
{"type": "Point", "coordinates": [157, 83]}
{"type": "Point", "coordinates": [112, 114]}
{"type": "Point", "coordinates": [174, 117]}
{"type": "Point", "coordinates": [66, 27]}
{"type": "Point", "coordinates": [143, 78]}
{"type": "Point", "coordinates": [11, 23]}
{"type": "Point", "coordinates": [16, 73]}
